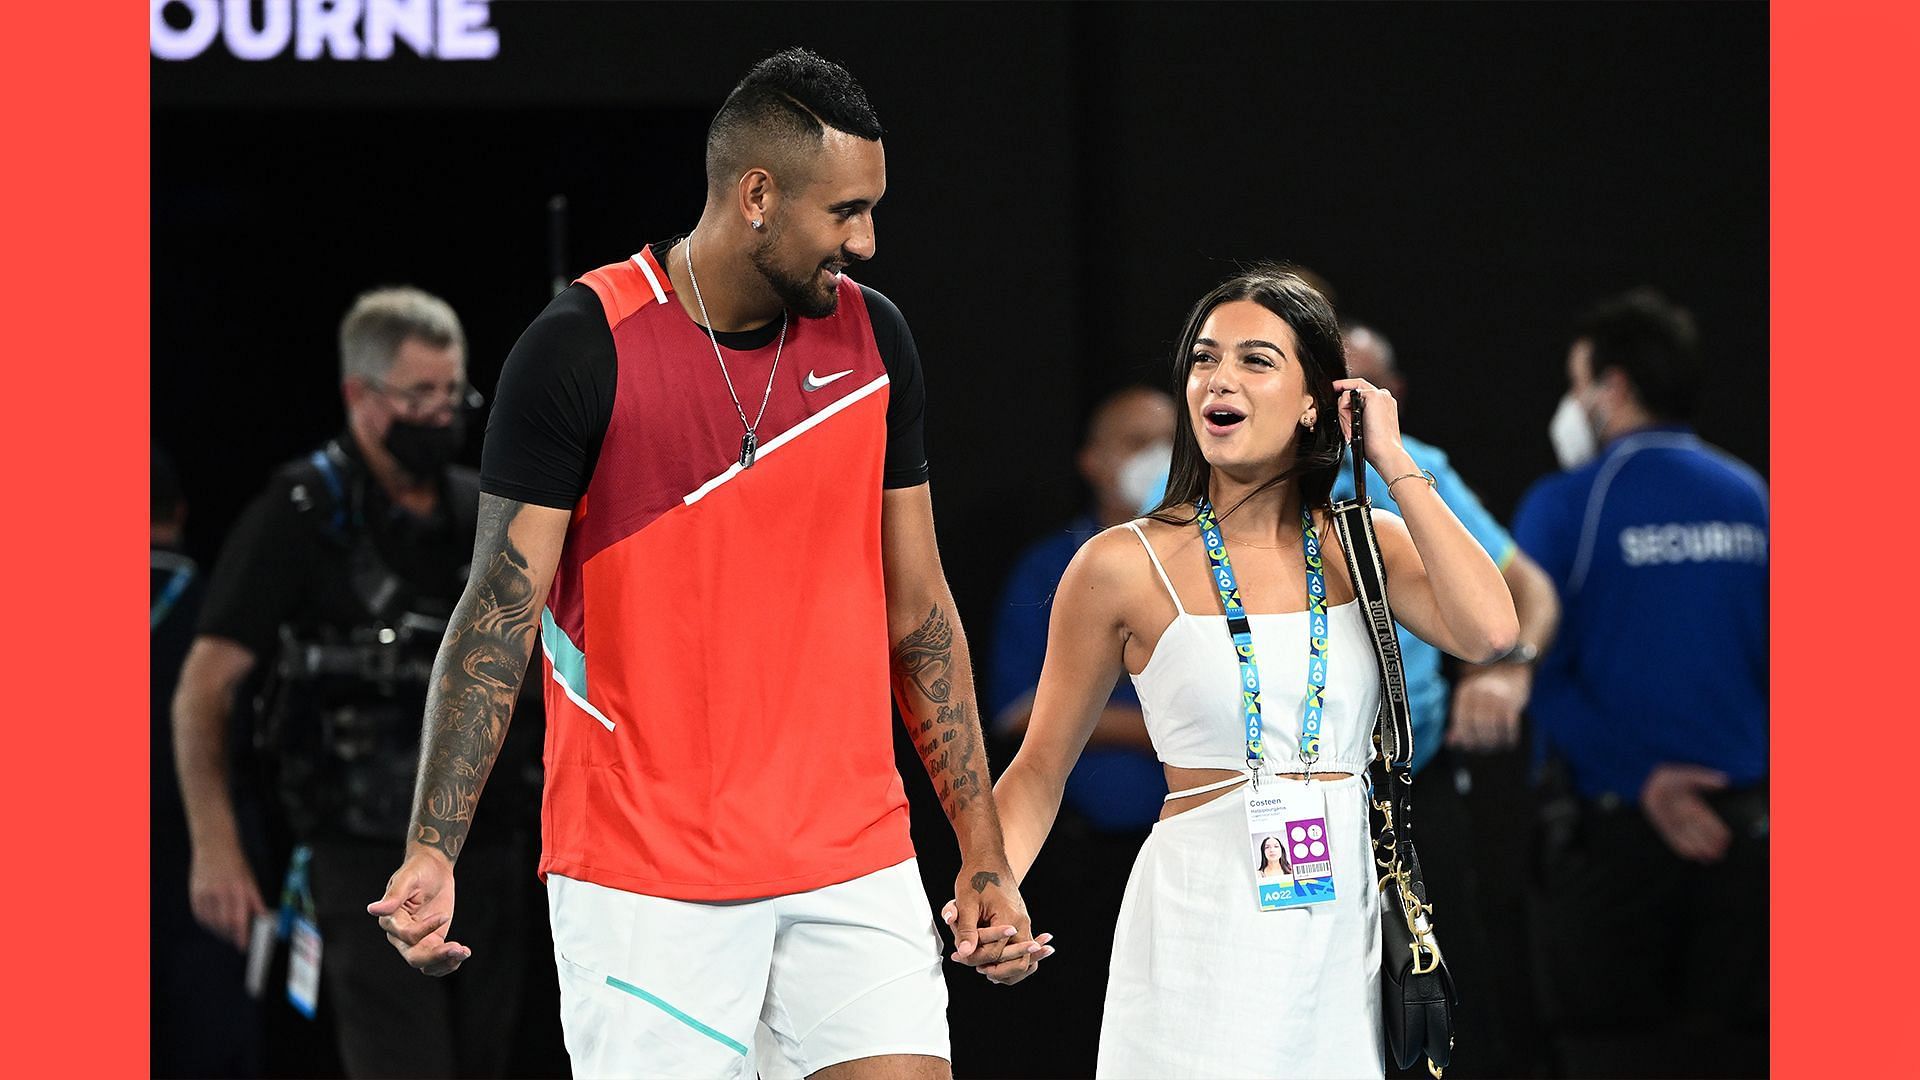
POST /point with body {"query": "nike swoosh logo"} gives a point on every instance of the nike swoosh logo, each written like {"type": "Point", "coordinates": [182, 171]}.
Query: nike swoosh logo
{"type": "Point", "coordinates": [815, 382]}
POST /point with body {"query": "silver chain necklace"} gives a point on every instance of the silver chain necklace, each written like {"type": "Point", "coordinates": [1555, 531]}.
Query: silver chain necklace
{"type": "Point", "coordinates": [750, 442]}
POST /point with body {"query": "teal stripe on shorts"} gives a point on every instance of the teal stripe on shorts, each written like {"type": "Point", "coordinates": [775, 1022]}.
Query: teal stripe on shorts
{"type": "Point", "coordinates": [696, 1025]}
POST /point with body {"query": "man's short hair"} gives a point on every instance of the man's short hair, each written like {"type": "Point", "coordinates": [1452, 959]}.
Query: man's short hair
{"type": "Point", "coordinates": [781, 109]}
{"type": "Point", "coordinates": [1654, 343]}
{"type": "Point", "coordinates": [1388, 361]}
{"type": "Point", "coordinates": [381, 320]}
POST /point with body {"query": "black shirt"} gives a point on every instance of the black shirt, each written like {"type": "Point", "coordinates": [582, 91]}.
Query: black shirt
{"type": "Point", "coordinates": [290, 559]}
{"type": "Point", "coordinates": [295, 559]}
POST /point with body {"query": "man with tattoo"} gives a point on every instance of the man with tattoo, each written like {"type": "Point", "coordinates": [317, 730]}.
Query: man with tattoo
{"type": "Point", "coordinates": [723, 583]}
{"type": "Point", "coordinates": [340, 576]}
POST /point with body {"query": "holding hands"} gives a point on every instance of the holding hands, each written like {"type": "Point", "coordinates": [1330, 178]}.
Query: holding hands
{"type": "Point", "coordinates": [991, 931]}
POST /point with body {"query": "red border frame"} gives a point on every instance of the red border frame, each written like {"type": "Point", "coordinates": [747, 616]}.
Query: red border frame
{"type": "Point", "coordinates": [1843, 232]}
{"type": "Point", "coordinates": [76, 128]}
{"type": "Point", "coordinates": [74, 802]}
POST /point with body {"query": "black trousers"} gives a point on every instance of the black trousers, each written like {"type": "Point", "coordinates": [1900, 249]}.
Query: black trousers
{"type": "Point", "coordinates": [1650, 965]}
{"type": "Point", "coordinates": [203, 1022]}
{"type": "Point", "coordinates": [1473, 849]}
{"type": "Point", "coordinates": [392, 1021]}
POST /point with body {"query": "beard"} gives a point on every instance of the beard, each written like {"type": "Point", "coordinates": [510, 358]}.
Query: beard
{"type": "Point", "coordinates": [801, 295]}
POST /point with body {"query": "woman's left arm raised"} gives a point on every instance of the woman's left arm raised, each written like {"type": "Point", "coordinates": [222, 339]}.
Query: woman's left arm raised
{"type": "Point", "coordinates": [1442, 583]}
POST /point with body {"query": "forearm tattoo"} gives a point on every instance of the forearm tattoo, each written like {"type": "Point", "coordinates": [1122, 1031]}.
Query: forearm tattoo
{"type": "Point", "coordinates": [475, 680]}
{"type": "Point", "coordinates": [946, 732]}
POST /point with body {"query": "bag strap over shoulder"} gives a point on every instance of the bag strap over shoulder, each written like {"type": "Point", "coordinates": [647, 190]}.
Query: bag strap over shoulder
{"type": "Point", "coordinates": [1353, 522]}
{"type": "Point", "coordinates": [1403, 889]}
{"type": "Point", "coordinates": [1393, 731]}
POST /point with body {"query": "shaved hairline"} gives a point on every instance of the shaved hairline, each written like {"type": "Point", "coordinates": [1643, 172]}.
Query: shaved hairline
{"type": "Point", "coordinates": [782, 154]}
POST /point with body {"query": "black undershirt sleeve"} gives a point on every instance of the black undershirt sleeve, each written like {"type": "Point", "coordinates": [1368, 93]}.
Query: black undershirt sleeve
{"type": "Point", "coordinates": [553, 405]}
{"type": "Point", "coordinates": [906, 393]}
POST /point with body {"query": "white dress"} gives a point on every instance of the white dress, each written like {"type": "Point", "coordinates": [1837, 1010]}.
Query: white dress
{"type": "Point", "coordinates": [1203, 983]}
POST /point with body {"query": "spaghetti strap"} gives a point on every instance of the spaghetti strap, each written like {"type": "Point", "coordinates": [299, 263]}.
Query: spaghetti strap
{"type": "Point", "coordinates": [1157, 568]}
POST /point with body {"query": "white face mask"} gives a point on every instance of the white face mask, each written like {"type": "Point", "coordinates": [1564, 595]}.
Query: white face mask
{"type": "Point", "coordinates": [1142, 479]}
{"type": "Point", "coordinates": [1572, 433]}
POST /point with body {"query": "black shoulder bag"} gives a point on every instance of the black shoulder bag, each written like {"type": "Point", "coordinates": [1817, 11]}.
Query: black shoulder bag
{"type": "Point", "coordinates": [1416, 988]}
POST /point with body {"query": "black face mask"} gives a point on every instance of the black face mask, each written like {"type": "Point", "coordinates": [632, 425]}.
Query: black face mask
{"type": "Point", "coordinates": [425, 450]}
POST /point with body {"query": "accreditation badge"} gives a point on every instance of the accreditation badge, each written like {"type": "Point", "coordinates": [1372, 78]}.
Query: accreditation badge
{"type": "Point", "coordinates": [303, 967]}
{"type": "Point", "coordinates": [1291, 855]}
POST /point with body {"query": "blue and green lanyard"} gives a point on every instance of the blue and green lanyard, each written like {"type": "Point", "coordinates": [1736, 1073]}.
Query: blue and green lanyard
{"type": "Point", "coordinates": [296, 902]}
{"type": "Point", "coordinates": [1313, 710]}
{"type": "Point", "coordinates": [170, 595]}
{"type": "Point", "coordinates": [296, 896]}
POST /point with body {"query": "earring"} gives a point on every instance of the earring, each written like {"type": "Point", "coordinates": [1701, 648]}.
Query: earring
{"type": "Point", "coordinates": [1307, 420]}
{"type": "Point", "coordinates": [756, 223]}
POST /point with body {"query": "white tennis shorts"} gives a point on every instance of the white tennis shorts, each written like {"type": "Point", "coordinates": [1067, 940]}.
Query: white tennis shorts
{"type": "Point", "coordinates": [781, 986]}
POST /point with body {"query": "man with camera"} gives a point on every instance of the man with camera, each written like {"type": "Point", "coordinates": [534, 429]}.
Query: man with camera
{"type": "Point", "coordinates": [331, 596]}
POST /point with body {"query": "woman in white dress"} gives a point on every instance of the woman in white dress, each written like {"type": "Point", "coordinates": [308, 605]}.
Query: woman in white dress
{"type": "Point", "coordinates": [1204, 982]}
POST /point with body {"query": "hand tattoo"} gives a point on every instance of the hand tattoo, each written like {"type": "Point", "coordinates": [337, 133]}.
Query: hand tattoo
{"type": "Point", "coordinates": [983, 879]}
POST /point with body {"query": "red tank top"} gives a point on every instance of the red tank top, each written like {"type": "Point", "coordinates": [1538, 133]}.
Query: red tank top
{"type": "Point", "coordinates": [716, 648]}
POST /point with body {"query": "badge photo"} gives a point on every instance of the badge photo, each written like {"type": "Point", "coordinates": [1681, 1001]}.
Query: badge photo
{"type": "Point", "coordinates": [1287, 837]}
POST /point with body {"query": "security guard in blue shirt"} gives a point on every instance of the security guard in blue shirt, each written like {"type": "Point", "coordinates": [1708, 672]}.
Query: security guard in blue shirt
{"type": "Point", "coordinates": [1652, 704]}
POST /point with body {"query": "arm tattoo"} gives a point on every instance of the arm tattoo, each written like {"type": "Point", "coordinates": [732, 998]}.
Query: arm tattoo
{"type": "Point", "coordinates": [926, 656]}
{"type": "Point", "coordinates": [475, 681]}
{"type": "Point", "coordinates": [945, 731]}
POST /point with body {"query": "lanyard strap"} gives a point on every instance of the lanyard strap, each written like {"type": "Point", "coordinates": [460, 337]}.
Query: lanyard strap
{"type": "Point", "coordinates": [296, 896]}
{"type": "Point", "coordinates": [1241, 628]}
{"type": "Point", "coordinates": [170, 595]}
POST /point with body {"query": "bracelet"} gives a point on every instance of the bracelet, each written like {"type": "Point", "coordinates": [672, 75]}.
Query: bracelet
{"type": "Point", "coordinates": [1422, 474]}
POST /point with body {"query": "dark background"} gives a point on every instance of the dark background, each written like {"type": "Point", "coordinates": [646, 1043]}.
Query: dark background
{"type": "Point", "coordinates": [1063, 183]}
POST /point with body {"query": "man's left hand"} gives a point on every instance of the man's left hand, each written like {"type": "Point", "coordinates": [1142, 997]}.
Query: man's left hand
{"type": "Point", "coordinates": [990, 924]}
{"type": "Point", "coordinates": [1017, 960]}
{"type": "Point", "coordinates": [1486, 707]}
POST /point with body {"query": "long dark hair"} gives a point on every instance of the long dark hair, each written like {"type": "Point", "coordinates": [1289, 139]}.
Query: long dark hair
{"type": "Point", "coordinates": [1285, 863]}
{"type": "Point", "coordinates": [1323, 359]}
